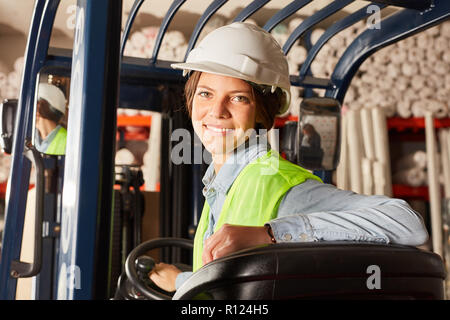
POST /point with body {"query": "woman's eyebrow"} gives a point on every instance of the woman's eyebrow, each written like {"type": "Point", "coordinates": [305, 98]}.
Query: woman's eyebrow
{"type": "Point", "coordinates": [232, 91]}
{"type": "Point", "coordinates": [205, 87]}
{"type": "Point", "coordinates": [241, 91]}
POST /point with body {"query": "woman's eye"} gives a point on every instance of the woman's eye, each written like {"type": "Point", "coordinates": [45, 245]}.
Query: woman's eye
{"type": "Point", "coordinates": [204, 94]}
{"type": "Point", "coordinates": [241, 99]}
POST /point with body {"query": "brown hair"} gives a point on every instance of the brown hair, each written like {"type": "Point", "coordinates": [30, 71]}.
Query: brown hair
{"type": "Point", "coordinates": [267, 104]}
{"type": "Point", "coordinates": [46, 111]}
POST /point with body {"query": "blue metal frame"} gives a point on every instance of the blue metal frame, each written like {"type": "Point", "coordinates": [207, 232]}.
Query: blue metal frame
{"type": "Point", "coordinates": [39, 37]}
{"type": "Point", "coordinates": [410, 4]}
{"type": "Point", "coordinates": [249, 10]}
{"type": "Point", "coordinates": [396, 27]}
{"type": "Point", "coordinates": [313, 20]}
{"type": "Point", "coordinates": [209, 12]}
{"type": "Point", "coordinates": [88, 186]}
{"type": "Point", "coordinates": [332, 31]}
{"type": "Point", "coordinates": [126, 32]}
{"type": "Point", "coordinates": [285, 13]}
{"type": "Point", "coordinates": [164, 26]}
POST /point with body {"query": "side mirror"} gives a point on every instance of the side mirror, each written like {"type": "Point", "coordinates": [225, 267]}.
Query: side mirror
{"type": "Point", "coordinates": [50, 117]}
{"type": "Point", "coordinates": [8, 110]}
{"type": "Point", "coordinates": [318, 133]}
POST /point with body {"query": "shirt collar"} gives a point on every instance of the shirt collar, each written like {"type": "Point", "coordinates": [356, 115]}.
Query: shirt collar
{"type": "Point", "coordinates": [253, 148]}
{"type": "Point", "coordinates": [43, 144]}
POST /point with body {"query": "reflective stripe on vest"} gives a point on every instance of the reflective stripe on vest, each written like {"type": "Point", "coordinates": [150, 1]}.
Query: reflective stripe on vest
{"type": "Point", "coordinates": [254, 197]}
{"type": "Point", "coordinates": [58, 145]}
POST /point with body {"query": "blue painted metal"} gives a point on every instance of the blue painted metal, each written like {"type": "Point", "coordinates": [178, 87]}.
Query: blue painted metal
{"type": "Point", "coordinates": [57, 243]}
{"type": "Point", "coordinates": [44, 281]}
{"type": "Point", "coordinates": [396, 27]}
{"type": "Point", "coordinates": [331, 32]}
{"type": "Point", "coordinates": [209, 12]}
{"type": "Point", "coordinates": [38, 40]}
{"type": "Point", "coordinates": [285, 13]}
{"type": "Point", "coordinates": [325, 175]}
{"type": "Point", "coordinates": [139, 79]}
{"type": "Point", "coordinates": [87, 194]}
{"type": "Point", "coordinates": [311, 21]}
{"type": "Point", "coordinates": [308, 92]}
{"type": "Point", "coordinates": [249, 10]}
{"type": "Point", "coordinates": [126, 32]}
{"type": "Point", "coordinates": [311, 82]}
{"type": "Point", "coordinates": [410, 4]}
{"type": "Point", "coordinates": [164, 25]}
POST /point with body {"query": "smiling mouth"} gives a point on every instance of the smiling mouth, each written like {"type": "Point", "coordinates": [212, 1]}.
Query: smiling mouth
{"type": "Point", "coordinates": [218, 130]}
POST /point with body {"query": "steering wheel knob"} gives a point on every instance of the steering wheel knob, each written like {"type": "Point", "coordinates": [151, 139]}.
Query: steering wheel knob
{"type": "Point", "coordinates": [144, 264]}
{"type": "Point", "coordinates": [137, 263]}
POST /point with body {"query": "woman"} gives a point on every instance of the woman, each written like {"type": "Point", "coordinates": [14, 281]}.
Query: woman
{"type": "Point", "coordinates": [51, 136]}
{"type": "Point", "coordinates": [239, 82]}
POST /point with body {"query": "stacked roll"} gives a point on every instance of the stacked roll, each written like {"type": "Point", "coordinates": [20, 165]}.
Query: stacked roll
{"type": "Point", "coordinates": [10, 81]}
{"type": "Point", "coordinates": [141, 43]}
{"type": "Point", "coordinates": [365, 159]}
{"type": "Point", "coordinates": [410, 169]}
{"type": "Point", "coordinates": [5, 166]}
{"type": "Point", "coordinates": [444, 143]}
{"type": "Point", "coordinates": [152, 157]}
{"type": "Point", "coordinates": [405, 79]}
{"type": "Point", "coordinates": [408, 78]}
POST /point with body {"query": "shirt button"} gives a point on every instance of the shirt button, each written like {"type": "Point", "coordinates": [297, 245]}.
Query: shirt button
{"type": "Point", "coordinates": [303, 236]}
{"type": "Point", "coordinates": [287, 237]}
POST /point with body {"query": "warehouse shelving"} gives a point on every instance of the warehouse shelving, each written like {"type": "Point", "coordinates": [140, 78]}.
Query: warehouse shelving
{"type": "Point", "coordinates": [3, 189]}
{"type": "Point", "coordinates": [140, 124]}
{"type": "Point", "coordinates": [396, 125]}
{"type": "Point", "coordinates": [411, 129]}
{"type": "Point", "coordinates": [408, 192]}
{"type": "Point", "coordinates": [415, 124]}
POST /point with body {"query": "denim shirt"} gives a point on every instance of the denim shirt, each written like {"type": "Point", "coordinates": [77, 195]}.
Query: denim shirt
{"type": "Point", "coordinates": [43, 144]}
{"type": "Point", "coordinates": [314, 211]}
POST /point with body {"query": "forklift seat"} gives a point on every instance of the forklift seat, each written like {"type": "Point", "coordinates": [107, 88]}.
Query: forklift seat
{"type": "Point", "coordinates": [320, 270]}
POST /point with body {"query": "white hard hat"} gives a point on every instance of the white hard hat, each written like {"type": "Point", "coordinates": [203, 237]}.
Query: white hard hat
{"type": "Point", "coordinates": [245, 51]}
{"type": "Point", "coordinates": [53, 95]}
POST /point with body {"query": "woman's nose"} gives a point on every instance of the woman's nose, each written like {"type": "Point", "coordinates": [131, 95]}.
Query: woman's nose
{"type": "Point", "coordinates": [219, 109]}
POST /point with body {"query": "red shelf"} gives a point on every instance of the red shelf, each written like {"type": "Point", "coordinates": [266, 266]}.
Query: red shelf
{"type": "Point", "coordinates": [141, 135]}
{"type": "Point", "coordinates": [2, 190]}
{"type": "Point", "coordinates": [134, 121]}
{"type": "Point", "coordinates": [280, 121]}
{"type": "Point", "coordinates": [402, 124]}
{"type": "Point", "coordinates": [404, 191]}
{"type": "Point", "coordinates": [142, 122]}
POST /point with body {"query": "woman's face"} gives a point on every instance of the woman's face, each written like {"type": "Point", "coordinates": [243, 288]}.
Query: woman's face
{"type": "Point", "coordinates": [223, 109]}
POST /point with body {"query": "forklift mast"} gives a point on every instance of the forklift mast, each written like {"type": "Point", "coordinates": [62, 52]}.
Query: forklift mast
{"type": "Point", "coordinates": [73, 263]}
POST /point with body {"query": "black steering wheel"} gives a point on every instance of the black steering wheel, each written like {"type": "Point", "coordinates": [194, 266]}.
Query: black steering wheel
{"type": "Point", "coordinates": [130, 263]}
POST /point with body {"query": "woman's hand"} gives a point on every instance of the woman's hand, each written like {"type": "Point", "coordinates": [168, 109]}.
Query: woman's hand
{"type": "Point", "coordinates": [164, 276]}
{"type": "Point", "coordinates": [230, 238]}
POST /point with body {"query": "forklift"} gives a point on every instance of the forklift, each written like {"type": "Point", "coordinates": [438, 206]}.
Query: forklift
{"type": "Point", "coordinates": [79, 217]}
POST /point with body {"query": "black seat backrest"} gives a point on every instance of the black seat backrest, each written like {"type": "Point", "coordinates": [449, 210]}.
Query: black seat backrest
{"type": "Point", "coordinates": [320, 270]}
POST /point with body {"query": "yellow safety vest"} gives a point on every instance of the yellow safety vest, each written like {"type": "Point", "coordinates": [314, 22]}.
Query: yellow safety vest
{"type": "Point", "coordinates": [58, 145]}
{"type": "Point", "coordinates": [254, 197]}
